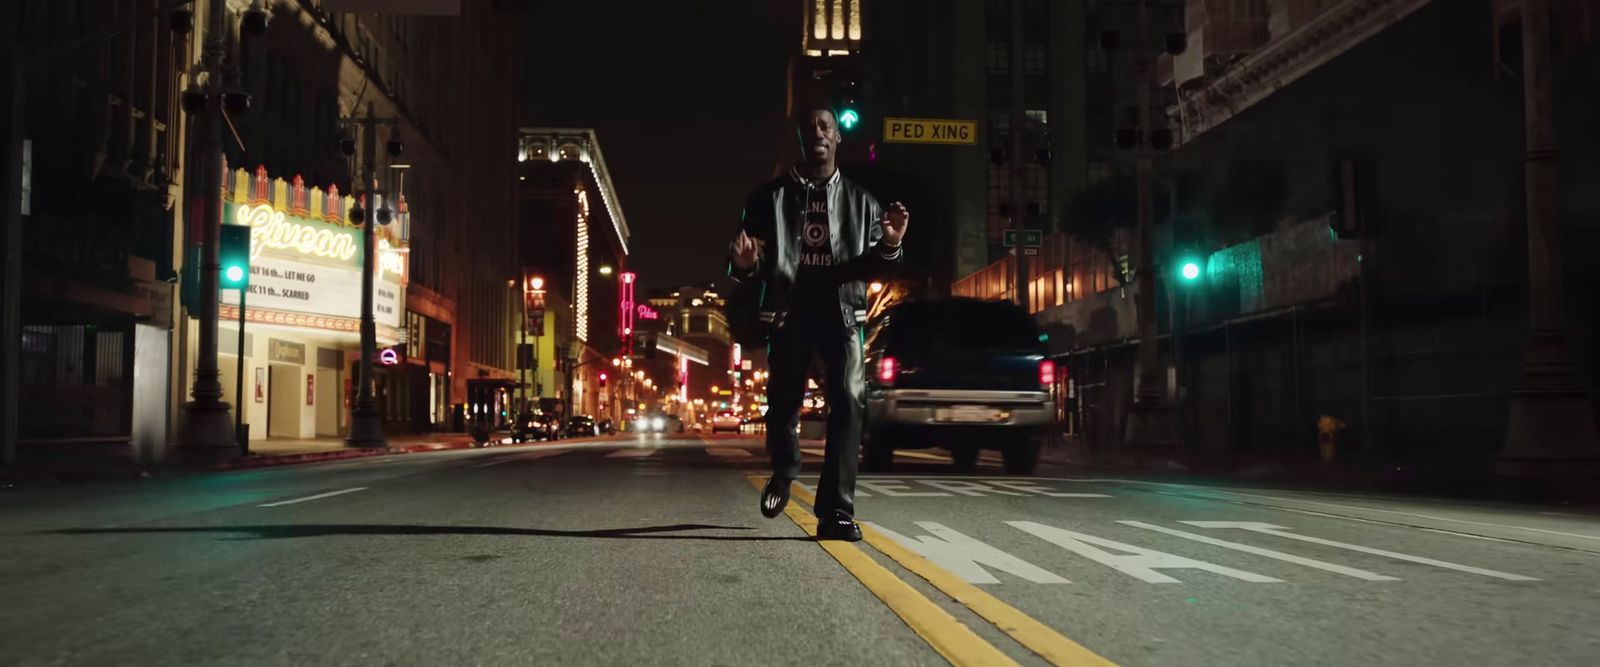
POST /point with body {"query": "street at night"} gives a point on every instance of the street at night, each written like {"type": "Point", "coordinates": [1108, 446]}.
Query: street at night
{"type": "Point", "coordinates": [1159, 333]}
{"type": "Point", "coordinates": [648, 551]}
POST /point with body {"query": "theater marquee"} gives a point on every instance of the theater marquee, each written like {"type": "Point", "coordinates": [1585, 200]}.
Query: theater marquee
{"type": "Point", "coordinates": [305, 262]}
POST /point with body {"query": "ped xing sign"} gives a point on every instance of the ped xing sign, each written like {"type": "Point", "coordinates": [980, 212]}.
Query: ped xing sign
{"type": "Point", "coordinates": [930, 131]}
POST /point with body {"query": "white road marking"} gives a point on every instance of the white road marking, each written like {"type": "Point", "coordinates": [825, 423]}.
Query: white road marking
{"type": "Point", "coordinates": [1318, 502]}
{"type": "Point", "coordinates": [1139, 562]}
{"type": "Point", "coordinates": [965, 556]}
{"type": "Point", "coordinates": [632, 453]}
{"type": "Point", "coordinates": [883, 486]}
{"type": "Point", "coordinates": [1281, 531]}
{"type": "Point", "coordinates": [319, 496]}
{"type": "Point", "coordinates": [729, 452]}
{"type": "Point", "coordinates": [1279, 555]}
{"type": "Point", "coordinates": [967, 488]}
{"type": "Point", "coordinates": [1022, 485]}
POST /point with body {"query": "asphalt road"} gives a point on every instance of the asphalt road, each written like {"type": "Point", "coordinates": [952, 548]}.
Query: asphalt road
{"type": "Point", "coordinates": [653, 552]}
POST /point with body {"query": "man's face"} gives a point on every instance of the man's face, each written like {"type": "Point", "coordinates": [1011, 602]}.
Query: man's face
{"type": "Point", "coordinates": [819, 136]}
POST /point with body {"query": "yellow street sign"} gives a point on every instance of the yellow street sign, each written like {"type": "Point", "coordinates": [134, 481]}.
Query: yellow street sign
{"type": "Point", "coordinates": [929, 131]}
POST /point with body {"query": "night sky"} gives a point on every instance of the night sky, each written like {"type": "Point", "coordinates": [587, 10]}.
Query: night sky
{"type": "Point", "coordinates": [686, 101]}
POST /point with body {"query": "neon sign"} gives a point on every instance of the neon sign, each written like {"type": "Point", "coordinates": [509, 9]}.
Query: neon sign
{"type": "Point", "coordinates": [390, 262]}
{"type": "Point", "coordinates": [648, 313]}
{"type": "Point", "coordinates": [270, 229]}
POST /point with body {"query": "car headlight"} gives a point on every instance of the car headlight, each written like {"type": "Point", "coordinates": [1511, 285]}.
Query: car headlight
{"type": "Point", "coordinates": [659, 423]}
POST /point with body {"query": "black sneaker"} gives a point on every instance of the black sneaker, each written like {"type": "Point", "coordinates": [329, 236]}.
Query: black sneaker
{"type": "Point", "coordinates": [775, 497]}
{"type": "Point", "coordinates": [838, 526]}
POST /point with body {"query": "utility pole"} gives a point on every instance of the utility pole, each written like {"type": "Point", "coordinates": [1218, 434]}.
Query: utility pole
{"type": "Point", "coordinates": [366, 421]}
{"type": "Point", "coordinates": [1150, 421]}
{"type": "Point", "coordinates": [1551, 431]}
{"type": "Point", "coordinates": [11, 117]}
{"type": "Point", "coordinates": [206, 433]}
{"type": "Point", "coordinates": [1019, 129]}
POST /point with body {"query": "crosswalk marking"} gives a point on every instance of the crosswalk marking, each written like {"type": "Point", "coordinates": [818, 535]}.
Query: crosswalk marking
{"type": "Point", "coordinates": [1138, 562]}
{"type": "Point", "coordinates": [1281, 531]}
{"type": "Point", "coordinates": [729, 452]}
{"type": "Point", "coordinates": [965, 556]}
{"type": "Point", "coordinates": [632, 453]}
{"type": "Point", "coordinates": [1289, 558]}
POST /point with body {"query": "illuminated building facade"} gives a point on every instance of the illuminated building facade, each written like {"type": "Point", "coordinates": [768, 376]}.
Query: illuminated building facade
{"type": "Point", "coordinates": [572, 234]}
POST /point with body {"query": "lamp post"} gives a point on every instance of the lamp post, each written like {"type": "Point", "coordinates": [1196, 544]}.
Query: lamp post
{"type": "Point", "coordinates": [206, 433]}
{"type": "Point", "coordinates": [1551, 433]}
{"type": "Point", "coordinates": [366, 420]}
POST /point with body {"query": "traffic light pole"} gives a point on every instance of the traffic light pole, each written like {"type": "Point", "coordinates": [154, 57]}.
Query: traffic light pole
{"type": "Point", "coordinates": [1149, 423]}
{"type": "Point", "coordinates": [238, 384]}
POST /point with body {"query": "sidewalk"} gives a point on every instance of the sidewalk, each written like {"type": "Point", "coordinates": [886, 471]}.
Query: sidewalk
{"type": "Point", "coordinates": [282, 451]}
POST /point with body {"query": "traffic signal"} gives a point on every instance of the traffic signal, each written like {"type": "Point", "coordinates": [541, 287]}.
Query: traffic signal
{"type": "Point", "coordinates": [1189, 269]}
{"type": "Point", "coordinates": [234, 257]}
{"type": "Point", "coordinates": [848, 100]}
{"type": "Point", "coordinates": [603, 379]}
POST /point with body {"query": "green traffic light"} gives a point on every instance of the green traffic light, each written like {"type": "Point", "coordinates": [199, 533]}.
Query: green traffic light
{"type": "Point", "coordinates": [848, 119]}
{"type": "Point", "coordinates": [234, 273]}
{"type": "Point", "coordinates": [1190, 270]}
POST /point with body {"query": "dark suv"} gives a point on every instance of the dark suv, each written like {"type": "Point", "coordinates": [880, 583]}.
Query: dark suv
{"type": "Point", "coordinates": [961, 374]}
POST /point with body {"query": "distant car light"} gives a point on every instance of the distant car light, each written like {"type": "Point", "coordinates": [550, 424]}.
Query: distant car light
{"type": "Point", "coordinates": [1047, 373]}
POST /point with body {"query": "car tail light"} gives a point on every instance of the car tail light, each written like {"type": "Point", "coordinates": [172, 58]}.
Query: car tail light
{"type": "Point", "coordinates": [1047, 374]}
{"type": "Point", "coordinates": [887, 369]}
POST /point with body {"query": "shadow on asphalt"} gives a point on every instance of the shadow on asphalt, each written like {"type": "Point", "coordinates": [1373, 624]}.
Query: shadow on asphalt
{"type": "Point", "coordinates": [266, 532]}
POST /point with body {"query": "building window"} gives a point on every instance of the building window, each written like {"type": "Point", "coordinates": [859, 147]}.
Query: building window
{"type": "Point", "coordinates": [1095, 61]}
{"type": "Point", "coordinates": [1099, 171]}
{"type": "Point", "coordinates": [1036, 59]}
{"type": "Point", "coordinates": [999, 61]}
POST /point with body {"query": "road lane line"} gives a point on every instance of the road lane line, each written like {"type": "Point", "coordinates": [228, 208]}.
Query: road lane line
{"type": "Point", "coordinates": [319, 496]}
{"type": "Point", "coordinates": [632, 453]}
{"type": "Point", "coordinates": [1043, 640]}
{"type": "Point", "coordinates": [1281, 531]}
{"type": "Point", "coordinates": [528, 456]}
{"type": "Point", "coordinates": [729, 453]}
{"type": "Point", "coordinates": [948, 636]}
{"type": "Point", "coordinates": [1279, 555]}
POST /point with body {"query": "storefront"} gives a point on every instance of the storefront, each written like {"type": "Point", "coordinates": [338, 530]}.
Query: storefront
{"type": "Point", "coordinates": [302, 315]}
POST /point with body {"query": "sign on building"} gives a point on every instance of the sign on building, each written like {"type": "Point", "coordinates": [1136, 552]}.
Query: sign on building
{"type": "Point", "coordinates": [307, 272]}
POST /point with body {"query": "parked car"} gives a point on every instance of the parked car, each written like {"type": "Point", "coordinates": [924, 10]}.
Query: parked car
{"type": "Point", "coordinates": [957, 373]}
{"type": "Point", "coordinates": [530, 427]}
{"type": "Point", "coordinates": [582, 426]}
{"type": "Point", "coordinates": [726, 420]}
{"type": "Point", "coordinates": [551, 425]}
{"type": "Point", "coordinates": [606, 427]}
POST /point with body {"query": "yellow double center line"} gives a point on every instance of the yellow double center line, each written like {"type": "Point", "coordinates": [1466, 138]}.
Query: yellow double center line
{"type": "Point", "coordinates": [947, 635]}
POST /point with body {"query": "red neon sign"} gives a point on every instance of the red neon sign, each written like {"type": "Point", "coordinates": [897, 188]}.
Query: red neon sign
{"type": "Point", "coordinates": [648, 313]}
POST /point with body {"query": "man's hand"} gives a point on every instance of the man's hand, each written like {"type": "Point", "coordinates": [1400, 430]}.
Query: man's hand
{"type": "Point", "coordinates": [894, 223]}
{"type": "Point", "coordinates": [746, 251]}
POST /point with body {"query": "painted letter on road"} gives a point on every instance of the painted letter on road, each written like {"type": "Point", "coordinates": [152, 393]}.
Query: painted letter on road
{"type": "Point", "coordinates": [966, 557]}
{"type": "Point", "coordinates": [1139, 563]}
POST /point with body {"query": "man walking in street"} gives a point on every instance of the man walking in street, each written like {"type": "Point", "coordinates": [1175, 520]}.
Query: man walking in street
{"type": "Point", "coordinates": [809, 242]}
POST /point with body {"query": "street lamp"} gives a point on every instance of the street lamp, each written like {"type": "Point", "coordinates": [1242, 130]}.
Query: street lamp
{"type": "Point", "coordinates": [206, 433]}
{"type": "Point", "coordinates": [366, 420]}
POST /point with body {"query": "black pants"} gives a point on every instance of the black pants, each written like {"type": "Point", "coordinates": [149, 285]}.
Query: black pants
{"type": "Point", "coordinates": [789, 360]}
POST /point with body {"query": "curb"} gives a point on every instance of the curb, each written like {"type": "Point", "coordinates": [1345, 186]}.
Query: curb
{"type": "Point", "coordinates": [272, 460]}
